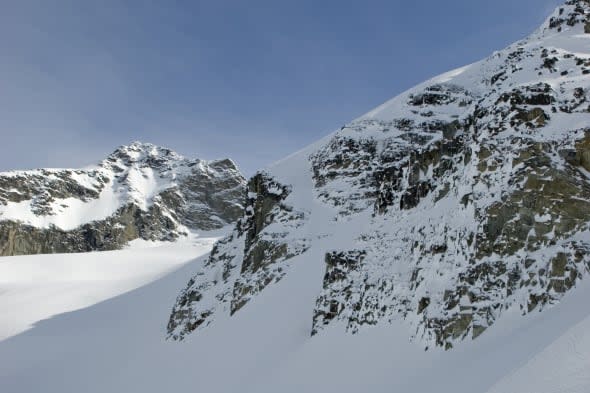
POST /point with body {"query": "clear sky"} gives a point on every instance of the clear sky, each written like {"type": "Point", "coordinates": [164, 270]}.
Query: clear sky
{"type": "Point", "coordinates": [253, 80]}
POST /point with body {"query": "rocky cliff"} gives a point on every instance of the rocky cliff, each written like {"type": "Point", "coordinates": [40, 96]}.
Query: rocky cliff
{"type": "Point", "coordinates": [140, 191]}
{"type": "Point", "coordinates": [460, 199]}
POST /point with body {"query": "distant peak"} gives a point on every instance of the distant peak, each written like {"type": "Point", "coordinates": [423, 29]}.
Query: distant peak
{"type": "Point", "coordinates": [148, 154]}
{"type": "Point", "coordinates": [140, 151]}
{"type": "Point", "coordinates": [141, 145]}
{"type": "Point", "coordinates": [138, 146]}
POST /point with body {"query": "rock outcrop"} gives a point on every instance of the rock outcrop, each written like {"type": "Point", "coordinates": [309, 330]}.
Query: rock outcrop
{"type": "Point", "coordinates": [244, 263]}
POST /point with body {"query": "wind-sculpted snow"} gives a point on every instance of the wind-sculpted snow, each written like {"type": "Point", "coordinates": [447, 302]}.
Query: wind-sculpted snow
{"type": "Point", "coordinates": [456, 201]}
{"type": "Point", "coordinates": [139, 191]}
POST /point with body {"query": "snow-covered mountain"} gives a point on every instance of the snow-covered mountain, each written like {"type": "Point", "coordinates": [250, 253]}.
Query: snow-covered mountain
{"type": "Point", "coordinates": [140, 191]}
{"type": "Point", "coordinates": [453, 204]}
{"type": "Point", "coordinates": [456, 210]}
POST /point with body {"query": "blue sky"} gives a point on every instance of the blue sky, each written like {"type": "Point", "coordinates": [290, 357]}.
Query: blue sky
{"type": "Point", "coordinates": [252, 80]}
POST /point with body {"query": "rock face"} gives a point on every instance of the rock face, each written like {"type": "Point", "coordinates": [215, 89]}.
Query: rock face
{"type": "Point", "coordinates": [140, 191]}
{"type": "Point", "coordinates": [446, 206]}
{"type": "Point", "coordinates": [244, 263]}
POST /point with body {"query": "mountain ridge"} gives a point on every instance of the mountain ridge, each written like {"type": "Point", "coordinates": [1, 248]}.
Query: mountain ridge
{"type": "Point", "coordinates": [139, 191]}
{"type": "Point", "coordinates": [455, 201]}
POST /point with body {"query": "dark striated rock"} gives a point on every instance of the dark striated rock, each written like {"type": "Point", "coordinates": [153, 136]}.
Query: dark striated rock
{"type": "Point", "coordinates": [128, 223]}
{"type": "Point", "coordinates": [340, 267]}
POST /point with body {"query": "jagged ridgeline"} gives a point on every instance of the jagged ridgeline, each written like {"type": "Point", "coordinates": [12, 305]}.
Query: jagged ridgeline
{"type": "Point", "coordinates": [455, 201]}
{"type": "Point", "coordinates": [140, 191]}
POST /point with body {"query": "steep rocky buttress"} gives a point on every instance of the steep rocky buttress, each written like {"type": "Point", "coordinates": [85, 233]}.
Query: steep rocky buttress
{"type": "Point", "coordinates": [455, 201]}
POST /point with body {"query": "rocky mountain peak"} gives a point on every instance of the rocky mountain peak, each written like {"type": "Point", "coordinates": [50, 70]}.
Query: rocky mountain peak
{"type": "Point", "coordinates": [146, 155]}
{"type": "Point", "coordinates": [139, 191]}
{"type": "Point", "coordinates": [140, 152]}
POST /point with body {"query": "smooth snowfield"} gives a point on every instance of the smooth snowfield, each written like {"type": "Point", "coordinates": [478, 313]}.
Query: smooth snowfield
{"type": "Point", "coordinates": [119, 346]}
{"type": "Point", "coordinates": [33, 288]}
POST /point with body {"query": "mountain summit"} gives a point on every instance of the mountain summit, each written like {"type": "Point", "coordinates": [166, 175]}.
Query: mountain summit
{"type": "Point", "coordinates": [460, 199]}
{"type": "Point", "coordinates": [140, 191]}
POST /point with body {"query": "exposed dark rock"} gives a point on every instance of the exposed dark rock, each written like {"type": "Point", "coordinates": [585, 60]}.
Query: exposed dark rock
{"type": "Point", "coordinates": [263, 258]}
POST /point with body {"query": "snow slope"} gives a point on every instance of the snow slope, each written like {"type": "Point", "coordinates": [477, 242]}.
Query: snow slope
{"type": "Point", "coordinates": [34, 288]}
{"type": "Point", "coordinates": [118, 346]}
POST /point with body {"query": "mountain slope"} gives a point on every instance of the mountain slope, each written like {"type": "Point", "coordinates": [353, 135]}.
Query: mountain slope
{"type": "Point", "coordinates": [37, 287]}
{"type": "Point", "coordinates": [447, 207]}
{"type": "Point", "coordinates": [139, 191]}
{"type": "Point", "coordinates": [118, 346]}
